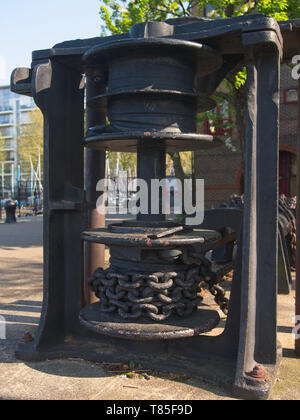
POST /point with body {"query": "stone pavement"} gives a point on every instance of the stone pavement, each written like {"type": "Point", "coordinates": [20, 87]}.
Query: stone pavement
{"type": "Point", "coordinates": [20, 304]}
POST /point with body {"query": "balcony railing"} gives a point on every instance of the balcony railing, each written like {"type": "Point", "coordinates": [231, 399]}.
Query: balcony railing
{"type": "Point", "coordinates": [6, 109]}
{"type": "Point", "coordinates": [6, 124]}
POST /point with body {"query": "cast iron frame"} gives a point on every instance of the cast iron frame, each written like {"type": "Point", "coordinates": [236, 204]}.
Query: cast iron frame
{"type": "Point", "coordinates": [55, 82]}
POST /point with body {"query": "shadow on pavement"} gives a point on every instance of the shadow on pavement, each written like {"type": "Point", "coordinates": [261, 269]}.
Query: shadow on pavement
{"type": "Point", "coordinates": [69, 368]}
{"type": "Point", "coordinates": [19, 316]}
{"type": "Point", "coordinates": [23, 234]}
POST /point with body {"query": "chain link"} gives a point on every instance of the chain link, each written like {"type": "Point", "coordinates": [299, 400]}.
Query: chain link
{"type": "Point", "coordinates": [156, 296]}
{"type": "Point", "coordinates": [208, 277]}
{"type": "Point", "coordinates": [159, 295]}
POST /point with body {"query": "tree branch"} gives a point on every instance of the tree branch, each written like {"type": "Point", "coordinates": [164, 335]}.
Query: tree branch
{"type": "Point", "coordinates": [182, 6]}
{"type": "Point", "coordinates": [224, 95]}
{"type": "Point", "coordinates": [167, 10]}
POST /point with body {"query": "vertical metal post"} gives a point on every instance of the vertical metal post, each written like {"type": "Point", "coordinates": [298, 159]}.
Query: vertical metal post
{"type": "Point", "coordinates": [297, 312]}
{"type": "Point", "coordinates": [57, 92]}
{"type": "Point", "coordinates": [249, 257]}
{"type": "Point", "coordinates": [19, 189]}
{"type": "Point", "coordinates": [258, 343]}
{"type": "Point", "coordinates": [154, 169]}
{"type": "Point", "coordinates": [94, 254]}
{"type": "Point", "coordinates": [12, 181]}
{"type": "Point", "coordinates": [268, 67]}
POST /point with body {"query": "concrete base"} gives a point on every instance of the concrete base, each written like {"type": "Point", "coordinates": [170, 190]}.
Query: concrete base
{"type": "Point", "coordinates": [20, 305]}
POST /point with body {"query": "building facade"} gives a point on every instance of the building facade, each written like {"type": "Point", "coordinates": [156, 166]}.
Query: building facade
{"type": "Point", "coordinates": [14, 112]}
{"type": "Point", "coordinates": [222, 168]}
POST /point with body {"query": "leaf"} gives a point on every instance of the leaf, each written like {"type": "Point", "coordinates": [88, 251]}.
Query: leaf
{"type": "Point", "coordinates": [241, 78]}
{"type": "Point", "coordinates": [119, 16]}
{"type": "Point", "coordinates": [131, 365]}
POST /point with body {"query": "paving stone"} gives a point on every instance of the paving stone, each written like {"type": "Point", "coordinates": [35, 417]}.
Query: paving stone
{"type": "Point", "coordinates": [21, 257]}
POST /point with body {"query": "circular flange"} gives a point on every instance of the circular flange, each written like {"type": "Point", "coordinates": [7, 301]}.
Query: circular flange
{"type": "Point", "coordinates": [207, 58]}
{"type": "Point", "coordinates": [201, 321]}
{"type": "Point", "coordinates": [138, 237]}
{"type": "Point", "coordinates": [171, 142]}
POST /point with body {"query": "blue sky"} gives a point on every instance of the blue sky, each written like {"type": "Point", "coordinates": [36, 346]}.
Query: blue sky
{"type": "Point", "coordinates": [28, 25]}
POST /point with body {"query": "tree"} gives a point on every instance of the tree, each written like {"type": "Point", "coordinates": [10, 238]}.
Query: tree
{"type": "Point", "coordinates": [125, 161]}
{"type": "Point", "coordinates": [293, 9]}
{"type": "Point", "coordinates": [119, 16]}
{"type": "Point", "coordinates": [2, 146]}
{"type": "Point", "coordinates": [30, 142]}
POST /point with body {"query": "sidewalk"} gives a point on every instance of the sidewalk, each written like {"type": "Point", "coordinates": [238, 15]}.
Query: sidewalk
{"type": "Point", "coordinates": [20, 304]}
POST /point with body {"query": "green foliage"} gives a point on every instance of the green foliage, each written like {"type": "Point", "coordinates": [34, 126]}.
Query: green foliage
{"type": "Point", "coordinates": [2, 146]}
{"type": "Point", "coordinates": [119, 16]}
{"type": "Point", "coordinates": [131, 365]}
{"type": "Point", "coordinates": [229, 8]}
{"type": "Point", "coordinates": [293, 9]}
{"type": "Point", "coordinates": [240, 79]}
{"type": "Point", "coordinates": [30, 141]}
{"type": "Point", "coordinates": [184, 159]}
{"type": "Point", "coordinates": [126, 161]}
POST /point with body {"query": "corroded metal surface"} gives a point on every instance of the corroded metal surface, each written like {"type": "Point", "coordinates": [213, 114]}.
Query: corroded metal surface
{"type": "Point", "coordinates": [139, 237]}
{"type": "Point", "coordinates": [143, 101]}
{"type": "Point", "coordinates": [156, 296]}
{"type": "Point", "coordinates": [201, 321]}
{"type": "Point", "coordinates": [254, 41]}
{"type": "Point", "coordinates": [135, 290]}
{"type": "Point", "coordinates": [204, 57]}
{"type": "Point", "coordinates": [128, 142]}
{"type": "Point", "coordinates": [10, 209]}
{"type": "Point", "coordinates": [152, 112]}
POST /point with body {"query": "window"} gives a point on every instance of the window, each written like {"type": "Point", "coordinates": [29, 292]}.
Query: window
{"type": "Point", "coordinates": [27, 103]}
{"type": "Point", "coordinates": [221, 124]}
{"type": "Point", "coordinates": [6, 132]}
{"type": "Point", "coordinates": [9, 156]}
{"type": "Point", "coordinates": [290, 96]}
{"type": "Point", "coordinates": [8, 144]}
{"type": "Point", "coordinates": [25, 118]}
{"type": "Point", "coordinates": [5, 119]}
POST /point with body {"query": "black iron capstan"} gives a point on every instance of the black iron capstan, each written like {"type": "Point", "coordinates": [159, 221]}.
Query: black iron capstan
{"type": "Point", "coordinates": [156, 265]}
{"type": "Point", "coordinates": [152, 105]}
{"type": "Point", "coordinates": [152, 98]}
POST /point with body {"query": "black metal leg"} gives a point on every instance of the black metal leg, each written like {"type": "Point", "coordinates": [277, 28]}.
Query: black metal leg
{"type": "Point", "coordinates": [259, 271]}
{"type": "Point", "coordinates": [297, 341]}
{"type": "Point", "coordinates": [63, 169]}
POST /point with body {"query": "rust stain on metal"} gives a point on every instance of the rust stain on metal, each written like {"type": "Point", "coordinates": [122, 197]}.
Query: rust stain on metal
{"type": "Point", "coordinates": [27, 337]}
{"type": "Point", "coordinates": [258, 373]}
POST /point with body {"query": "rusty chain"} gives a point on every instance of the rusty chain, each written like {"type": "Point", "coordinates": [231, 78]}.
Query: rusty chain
{"type": "Point", "coordinates": [157, 296]}
{"type": "Point", "coordinates": [287, 207]}
{"type": "Point", "coordinates": [211, 279]}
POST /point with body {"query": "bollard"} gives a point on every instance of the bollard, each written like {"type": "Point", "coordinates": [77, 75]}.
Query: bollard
{"type": "Point", "coordinates": [10, 209]}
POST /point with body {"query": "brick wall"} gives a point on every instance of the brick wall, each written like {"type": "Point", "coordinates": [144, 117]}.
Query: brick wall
{"type": "Point", "coordinates": [222, 169]}
{"type": "Point", "coordinates": [288, 112]}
